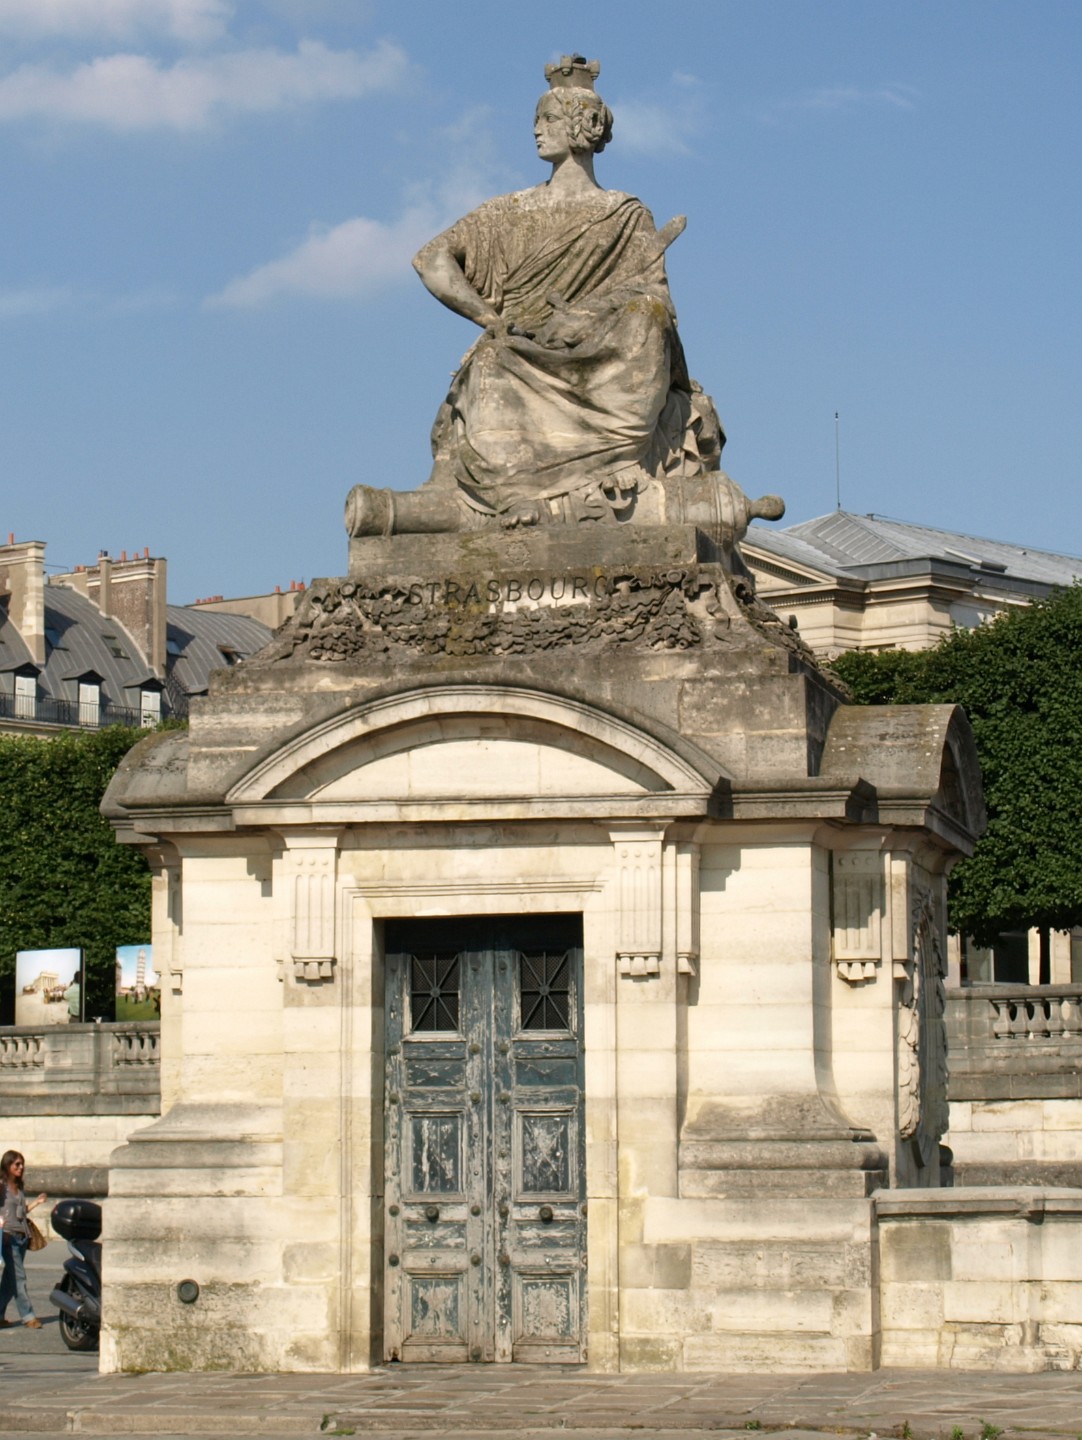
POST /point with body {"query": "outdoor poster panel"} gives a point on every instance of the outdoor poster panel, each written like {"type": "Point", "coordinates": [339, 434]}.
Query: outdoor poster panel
{"type": "Point", "coordinates": [46, 990]}
{"type": "Point", "coordinates": [138, 988]}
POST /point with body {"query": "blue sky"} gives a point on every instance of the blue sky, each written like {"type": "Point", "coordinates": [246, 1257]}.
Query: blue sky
{"type": "Point", "coordinates": [210, 330]}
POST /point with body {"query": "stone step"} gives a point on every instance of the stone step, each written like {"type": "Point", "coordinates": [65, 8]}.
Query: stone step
{"type": "Point", "coordinates": [701, 1184]}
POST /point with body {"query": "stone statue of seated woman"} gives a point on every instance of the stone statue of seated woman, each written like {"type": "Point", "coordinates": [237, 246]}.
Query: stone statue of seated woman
{"type": "Point", "coordinates": [575, 401]}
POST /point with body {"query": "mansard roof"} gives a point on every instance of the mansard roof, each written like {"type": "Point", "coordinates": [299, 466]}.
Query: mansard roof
{"type": "Point", "coordinates": [200, 641]}
{"type": "Point", "coordinates": [80, 641]}
{"type": "Point", "coordinates": [14, 656]}
{"type": "Point", "coordinates": [871, 547]}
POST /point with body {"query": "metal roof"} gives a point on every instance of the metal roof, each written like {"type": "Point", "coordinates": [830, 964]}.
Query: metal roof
{"type": "Point", "coordinates": [201, 641]}
{"type": "Point", "coordinates": [80, 640]}
{"type": "Point", "coordinates": [13, 651]}
{"type": "Point", "coordinates": [846, 544]}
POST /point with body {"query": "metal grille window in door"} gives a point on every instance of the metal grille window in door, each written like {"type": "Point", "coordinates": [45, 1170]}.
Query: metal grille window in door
{"type": "Point", "coordinates": [485, 1215]}
{"type": "Point", "coordinates": [545, 990]}
{"type": "Point", "coordinates": [434, 992]}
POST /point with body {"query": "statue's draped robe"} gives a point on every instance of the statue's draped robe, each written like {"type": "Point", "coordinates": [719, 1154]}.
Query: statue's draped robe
{"type": "Point", "coordinates": [527, 420]}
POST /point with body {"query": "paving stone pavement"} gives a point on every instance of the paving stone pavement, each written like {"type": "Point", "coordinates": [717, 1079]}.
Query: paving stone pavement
{"type": "Point", "coordinates": [48, 1391]}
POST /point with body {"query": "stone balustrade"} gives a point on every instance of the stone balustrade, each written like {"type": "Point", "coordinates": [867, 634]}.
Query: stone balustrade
{"type": "Point", "coordinates": [136, 1045]}
{"type": "Point", "coordinates": [70, 1094]}
{"type": "Point", "coordinates": [1037, 1017]}
{"type": "Point", "coordinates": [21, 1050]}
{"type": "Point", "coordinates": [1015, 1057]}
{"type": "Point", "coordinates": [1015, 1042]}
{"type": "Point", "coordinates": [79, 1069]}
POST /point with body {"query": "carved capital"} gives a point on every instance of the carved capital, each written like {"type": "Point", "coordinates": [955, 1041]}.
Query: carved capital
{"type": "Point", "coordinates": [687, 908]}
{"type": "Point", "coordinates": [638, 853]}
{"type": "Point", "coordinates": [311, 870]}
{"type": "Point", "coordinates": [174, 962]}
{"type": "Point", "coordinates": [857, 907]}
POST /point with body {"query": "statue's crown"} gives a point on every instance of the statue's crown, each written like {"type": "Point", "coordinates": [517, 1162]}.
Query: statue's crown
{"type": "Point", "coordinates": [573, 71]}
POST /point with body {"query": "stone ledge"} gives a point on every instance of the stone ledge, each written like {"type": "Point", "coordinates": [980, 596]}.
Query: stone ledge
{"type": "Point", "coordinates": [987, 1081]}
{"type": "Point", "coordinates": [13, 1106]}
{"type": "Point", "coordinates": [696, 1184]}
{"type": "Point", "coordinates": [1058, 1174]}
{"type": "Point", "coordinates": [1027, 1202]}
{"type": "Point", "coordinates": [90, 1182]}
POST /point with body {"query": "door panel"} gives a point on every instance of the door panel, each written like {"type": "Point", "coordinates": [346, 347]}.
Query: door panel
{"type": "Point", "coordinates": [486, 1216]}
{"type": "Point", "coordinates": [433, 1132]}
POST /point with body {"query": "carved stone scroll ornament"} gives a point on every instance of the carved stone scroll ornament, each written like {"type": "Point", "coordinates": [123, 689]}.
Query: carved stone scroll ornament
{"type": "Point", "coordinates": [922, 1037]}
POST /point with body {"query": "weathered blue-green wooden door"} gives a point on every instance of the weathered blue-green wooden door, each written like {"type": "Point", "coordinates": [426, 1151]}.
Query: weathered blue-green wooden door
{"type": "Point", "coordinates": [485, 1226]}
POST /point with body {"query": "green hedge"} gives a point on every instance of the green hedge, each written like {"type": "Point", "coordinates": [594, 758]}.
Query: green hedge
{"type": "Point", "coordinates": [64, 881]}
{"type": "Point", "coordinates": [1020, 680]}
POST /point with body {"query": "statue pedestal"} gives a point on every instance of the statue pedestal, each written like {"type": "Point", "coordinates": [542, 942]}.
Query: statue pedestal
{"type": "Point", "coordinates": [544, 931]}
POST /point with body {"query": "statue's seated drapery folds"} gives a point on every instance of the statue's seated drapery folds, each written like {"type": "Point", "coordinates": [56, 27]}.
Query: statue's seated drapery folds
{"type": "Point", "coordinates": [533, 415]}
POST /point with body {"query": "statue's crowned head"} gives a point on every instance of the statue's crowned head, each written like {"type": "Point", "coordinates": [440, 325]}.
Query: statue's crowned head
{"type": "Point", "coordinates": [589, 119]}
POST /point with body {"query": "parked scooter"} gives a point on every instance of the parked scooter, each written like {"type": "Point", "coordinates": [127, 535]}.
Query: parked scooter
{"type": "Point", "coordinates": [78, 1296]}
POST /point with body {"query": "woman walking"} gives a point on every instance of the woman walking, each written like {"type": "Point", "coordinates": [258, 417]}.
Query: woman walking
{"type": "Point", "coordinates": [15, 1237]}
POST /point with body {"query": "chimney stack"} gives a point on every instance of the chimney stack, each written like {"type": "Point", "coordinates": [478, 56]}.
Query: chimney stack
{"type": "Point", "coordinates": [131, 592]}
{"type": "Point", "coordinates": [22, 580]}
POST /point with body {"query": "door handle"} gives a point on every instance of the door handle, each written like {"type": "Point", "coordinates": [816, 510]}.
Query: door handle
{"type": "Point", "coordinates": [432, 1212]}
{"type": "Point", "coordinates": [545, 1213]}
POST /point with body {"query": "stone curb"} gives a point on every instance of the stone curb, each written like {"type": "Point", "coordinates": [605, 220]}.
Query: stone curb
{"type": "Point", "coordinates": [411, 1433]}
{"type": "Point", "coordinates": [158, 1422]}
{"type": "Point", "coordinates": [174, 1421]}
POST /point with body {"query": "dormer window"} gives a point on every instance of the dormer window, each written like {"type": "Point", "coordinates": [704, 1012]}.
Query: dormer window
{"type": "Point", "coordinates": [114, 647]}
{"type": "Point", "coordinates": [89, 703]}
{"type": "Point", "coordinates": [150, 708]}
{"type": "Point", "coordinates": [26, 697]}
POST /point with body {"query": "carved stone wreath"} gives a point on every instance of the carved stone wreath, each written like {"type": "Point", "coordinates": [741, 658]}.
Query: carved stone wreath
{"type": "Point", "coordinates": [344, 620]}
{"type": "Point", "coordinates": [922, 1039]}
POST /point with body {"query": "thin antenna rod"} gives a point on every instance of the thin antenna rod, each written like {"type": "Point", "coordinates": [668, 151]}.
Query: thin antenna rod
{"type": "Point", "coordinates": [837, 462]}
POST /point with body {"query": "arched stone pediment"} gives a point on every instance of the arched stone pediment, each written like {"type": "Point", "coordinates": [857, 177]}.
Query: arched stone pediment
{"type": "Point", "coordinates": [920, 754]}
{"type": "Point", "coordinates": [476, 743]}
{"type": "Point", "coordinates": [961, 790]}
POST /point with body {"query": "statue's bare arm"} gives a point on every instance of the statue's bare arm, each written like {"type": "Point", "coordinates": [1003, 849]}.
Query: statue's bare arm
{"type": "Point", "coordinates": [441, 271]}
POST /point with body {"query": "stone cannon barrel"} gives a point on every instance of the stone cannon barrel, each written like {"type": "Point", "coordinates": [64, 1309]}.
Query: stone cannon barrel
{"type": "Point", "coordinates": [713, 503]}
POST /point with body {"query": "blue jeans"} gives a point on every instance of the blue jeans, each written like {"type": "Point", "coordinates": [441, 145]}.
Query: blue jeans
{"type": "Point", "coordinates": [13, 1280]}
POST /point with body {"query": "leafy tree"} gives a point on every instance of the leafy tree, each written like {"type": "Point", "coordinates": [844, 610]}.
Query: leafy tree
{"type": "Point", "coordinates": [64, 881]}
{"type": "Point", "coordinates": [1020, 680]}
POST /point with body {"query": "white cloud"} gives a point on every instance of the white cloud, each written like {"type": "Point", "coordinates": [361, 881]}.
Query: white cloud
{"type": "Point", "coordinates": [43, 300]}
{"type": "Point", "coordinates": [649, 129]}
{"type": "Point", "coordinates": [135, 92]}
{"type": "Point", "coordinates": [346, 261]}
{"type": "Point", "coordinates": [835, 98]}
{"type": "Point", "coordinates": [312, 12]}
{"type": "Point", "coordinates": [661, 127]}
{"type": "Point", "coordinates": [846, 97]}
{"type": "Point", "coordinates": [49, 299]}
{"type": "Point", "coordinates": [190, 21]}
{"type": "Point", "coordinates": [360, 256]}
